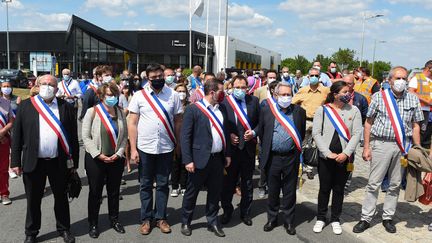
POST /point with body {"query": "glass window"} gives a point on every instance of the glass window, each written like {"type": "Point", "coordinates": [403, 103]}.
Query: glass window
{"type": "Point", "coordinates": [102, 52]}
{"type": "Point", "coordinates": [94, 49]}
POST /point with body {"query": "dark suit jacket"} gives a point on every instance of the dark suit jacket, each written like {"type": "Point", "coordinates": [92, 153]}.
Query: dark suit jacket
{"type": "Point", "coordinates": [25, 140]}
{"type": "Point", "coordinates": [361, 103]}
{"type": "Point", "coordinates": [196, 137]}
{"type": "Point", "coordinates": [266, 127]}
{"type": "Point", "coordinates": [90, 99]}
{"type": "Point", "coordinates": [253, 107]}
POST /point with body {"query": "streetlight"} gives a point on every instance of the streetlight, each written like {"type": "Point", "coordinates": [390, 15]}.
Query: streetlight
{"type": "Point", "coordinates": [373, 58]}
{"type": "Point", "coordinates": [7, 31]}
{"type": "Point", "coordinates": [363, 32]}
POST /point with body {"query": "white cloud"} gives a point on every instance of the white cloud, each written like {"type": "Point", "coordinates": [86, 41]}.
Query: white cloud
{"type": "Point", "coordinates": [320, 8]}
{"type": "Point", "coordinates": [278, 32]}
{"type": "Point", "coordinates": [407, 19]}
{"type": "Point", "coordinates": [41, 21]}
{"type": "Point", "coordinates": [16, 4]}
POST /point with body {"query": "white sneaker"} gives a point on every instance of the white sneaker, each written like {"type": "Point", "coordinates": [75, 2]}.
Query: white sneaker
{"type": "Point", "coordinates": [12, 175]}
{"type": "Point", "coordinates": [6, 200]}
{"type": "Point", "coordinates": [182, 191]}
{"type": "Point", "coordinates": [337, 229]}
{"type": "Point", "coordinates": [318, 227]}
{"type": "Point", "coordinates": [175, 193]}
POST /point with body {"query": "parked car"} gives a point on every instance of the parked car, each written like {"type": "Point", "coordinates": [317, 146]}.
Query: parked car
{"type": "Point", "coordinates": [16, 77]}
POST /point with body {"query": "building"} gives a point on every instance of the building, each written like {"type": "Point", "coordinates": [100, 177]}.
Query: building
{"type": "Point", "coordinates": [84, 45]}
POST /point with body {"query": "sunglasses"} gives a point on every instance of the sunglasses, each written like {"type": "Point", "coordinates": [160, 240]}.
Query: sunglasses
{"type": "Point", "coordinates": [315, 75]}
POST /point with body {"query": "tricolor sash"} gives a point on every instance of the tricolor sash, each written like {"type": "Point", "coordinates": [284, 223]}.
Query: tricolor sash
{"type": "Point", "coordinates": [55, 124]}
{"type": "Point", "coordinates": [66, 89]}
{"type": "Point", "coordinates": [161, 112]}
{"type": "Point", "coordinates": [339, 125]}
{"type": "Point", "coordinates": [213, 119]}
{"type": "Point", "coordinates": [286, 122]}
{"type": "Point", "coordinates": [3, 120]}
{"type": "Point", "coordinates": [108, 123]}
{"type": "Point", "coordinates": [239, 112]}
{"type": "Point", "coordinates": [395, 119]}
{"type": "Point", "coordinates": [93, 86]}
{"type": "Point", "coordinates": [199, 89]}
{"type": "Point", "coordinates": [256, 85]}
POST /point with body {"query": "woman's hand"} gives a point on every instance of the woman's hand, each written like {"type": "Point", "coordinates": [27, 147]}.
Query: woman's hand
{"type": "Point", "coordinates": [341, 158]}
{"type": "Point", "coordinates": [332, 156]}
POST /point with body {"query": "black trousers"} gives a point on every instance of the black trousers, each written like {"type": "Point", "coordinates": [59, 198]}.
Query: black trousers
{"type": "Point", "coordinates": [426, 131]}
{"type": "Point", "coordinates": [178, 174]}
{"type": "Point", "coordinates": [282, 174]}
{"type": "Point", "coordinates": [99, 174]}
{"type": "Point", "coordinates": [332, 178]}
{"type": "Point", "coordinates": [34, 185]}
{"type": "Point", "coordinates": [243, 165]}
{"type": "Point", "coordinates": [212, 177]}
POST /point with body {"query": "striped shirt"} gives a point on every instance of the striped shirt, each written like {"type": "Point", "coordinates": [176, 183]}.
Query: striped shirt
{"type": "Point", "coordinates": [409, 109]}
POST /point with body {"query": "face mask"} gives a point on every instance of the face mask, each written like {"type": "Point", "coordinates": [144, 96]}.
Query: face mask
{"type": "Point", "coordinates": [359, 75]}
{"type": "Point", "coordinates": [271, 80]}
{"type": "Point", "coordinates": [239, 93]}
{"type": "Point", "coordinates": [169, 79]}
{"type": "Point", "coordinates": [111, 101]}
{"type": "Point", "coordinates": [46, 91]}
{"type": "Point", "coordinates": [317, 67]}
{"type": "Point", "coordinates": [313, 80]}
{"type": "Point", "coordinates": [284, 101]}
{"type": "Point", "coordinates": [399, 85]}
{"type": "Point", "coordinates": [345, 99]}
{"type": "Point", "coordinates": [158, 84]}
{"type": "Point", "coordinates": [6, 90]}
{"type": "Point", "coordinates": [285, 75]}
{"type": "Point", "coordinates": [182, 95]}
{"type": "Point", "coordinates": [229, 92]}
{"type": "Point", "coordinates": [178, 74]}
{"type": "Point", "coordinates": [106, 79]}
{"type": "Point", "coordinates": [333, 70]}
{"type": "Point", "coordinates": [66, 77]}
{"type": "Point", "coordinates": [220, 97]}
{"type": "Point", "coordinates": [256, 75]}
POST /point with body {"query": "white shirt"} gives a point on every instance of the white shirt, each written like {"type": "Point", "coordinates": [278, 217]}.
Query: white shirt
{"type": "Point", "coordinates": [217, 144]}
{"type": "Point", "coordinates": [74, 88]}
{"type": "Point", "coordinates": [152, 136]}
{"type": "Point", "coordinates": [48, 140]}
{"type": "Point", "coordinates": [413, 83]}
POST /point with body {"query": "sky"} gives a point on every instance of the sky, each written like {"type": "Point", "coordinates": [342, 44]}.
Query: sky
{"type": "Point", "coordinates": [290, 27]}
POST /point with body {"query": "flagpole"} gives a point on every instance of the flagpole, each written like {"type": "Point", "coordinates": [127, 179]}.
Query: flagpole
{"type": "Point", "coordinates": [207, 44]}
{"type": "Point", "coordinates": [226, 36]}
{"type": "Point", "coordinates": [219, 39]}
{"type": "Point", "coordinates": [190, 34]}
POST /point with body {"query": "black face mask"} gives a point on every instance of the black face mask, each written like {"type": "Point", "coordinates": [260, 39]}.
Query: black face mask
{"type": "Point", "coordinates": [158, 83]}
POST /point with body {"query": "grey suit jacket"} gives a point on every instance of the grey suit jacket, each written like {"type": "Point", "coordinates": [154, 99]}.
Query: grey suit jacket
{"type": "Point", "coordinates": [352, 118]}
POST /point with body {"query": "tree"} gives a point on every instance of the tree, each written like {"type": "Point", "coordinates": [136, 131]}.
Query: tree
{"type": "Point", "coordinates": [345, 58]}
{"type": "Point", "coordinates": [297, 63]}
{"type": "Point", "coordinates": [325, 62]}
{"type": "Point", "coordinates": [380, 69]}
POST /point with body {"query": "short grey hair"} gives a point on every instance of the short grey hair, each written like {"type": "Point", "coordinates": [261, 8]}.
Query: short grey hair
{"type": "Point", "coordinates": [391, 73]}
{"type": "Point", "coordinates": [283, 84]}
{"type": "Point", "coordinates": [314, 69]}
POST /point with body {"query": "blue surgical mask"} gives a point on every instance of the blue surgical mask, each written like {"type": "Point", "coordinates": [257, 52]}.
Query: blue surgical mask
{"type": "Point", "coordinates": [111, 100]}
{"type": "Point", "coordinates": [169, 80]}
{"type": "Point", "coordinates": [239, 94]}
{"type": "Point", "coordinates": [66, 77]}
{"type": "Point", "coordinates": [313, 80]}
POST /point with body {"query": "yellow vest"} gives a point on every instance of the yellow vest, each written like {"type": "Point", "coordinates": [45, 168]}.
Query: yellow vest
{"type": "Point", "coordinates": [365, 88]}
{"type": "Point", "coordinates": [424, 89]}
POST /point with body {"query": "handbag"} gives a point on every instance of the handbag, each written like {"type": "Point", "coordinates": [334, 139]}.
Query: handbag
{"type": "Point", "coordinates": [310, 150]}
{"type": "Point", "coordinates": [74, 185]}
{"type": "Point", "coordinates": [426, 198]}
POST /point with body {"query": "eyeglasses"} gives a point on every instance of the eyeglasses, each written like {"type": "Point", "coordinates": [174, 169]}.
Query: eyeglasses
{"type": "Point", "coordinates": [314, 75]}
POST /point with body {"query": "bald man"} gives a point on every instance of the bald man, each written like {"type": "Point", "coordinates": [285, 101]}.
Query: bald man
{"type": "Point", "coordinates": [194, 78]}
{"type": "Point", "coordinates": [38, 152]}
{"type": "Point", "coordinates": [69, 89]}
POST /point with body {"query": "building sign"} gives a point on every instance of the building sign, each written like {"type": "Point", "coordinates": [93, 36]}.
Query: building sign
{"type": "Point", "coordinates": [200, 44]}
{"type": "Point", "coordinates": [42, 61]}
{"type": "Point", "coordinates": [177, 43]}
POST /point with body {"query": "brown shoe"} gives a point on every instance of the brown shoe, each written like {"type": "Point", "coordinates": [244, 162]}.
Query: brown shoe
{"type": "Point", "coordinates": [163, 226]}
{"type": "Point", "coordinates": [145, 228]}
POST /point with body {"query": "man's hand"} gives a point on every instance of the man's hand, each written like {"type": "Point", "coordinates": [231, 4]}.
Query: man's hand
{"type": "Point", "coordinates": [341, 158]}
{"type": "Point", "coordinates": [234, 139]}
{"type": "Point", "coordinates": [248, 135]}
{"type": "Point", "coordinates": [228, 162]}
{"type": "Point", "coordinates": [190, 167]}
{"type": "Point", "coordinates": [17, 170]}
{"type": "Point", "coordinates": [367, 154]}
{"type": "Point", "coordinates": [134, 156]}
{"type": "Point", "coordinates": [332, 156]}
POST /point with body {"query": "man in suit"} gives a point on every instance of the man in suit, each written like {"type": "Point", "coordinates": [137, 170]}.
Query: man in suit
{"type": "Point", "coordinates": [280, 156]}
{"type": "Point", "coordinates": [205, 152]}
{"type": "Point", "coordinates": [240, 126]}
{"type": "Point", "coordinates": [44, 154]}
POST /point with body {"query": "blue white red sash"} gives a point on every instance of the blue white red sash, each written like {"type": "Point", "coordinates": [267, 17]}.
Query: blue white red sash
{"type": "Point", "coordinates": [3, 120]}
{"type": "Point", "coordinates": [339, 125]}
{"type": "Point", "coordinates": [55, 124]}
{"type": "Point", "coordinates": [239, 112]}
{"type": "Point", "coordinates": [161, 112]}
{"type": "Point", "coordinates": [286, 122]}
{"type": "Point", "coordinates": [108, 123]}
{"type": "Point", "coordinates": [213, 119]}
{"type": "Point", "coordinates": [256, 85]}
{"type": "Point", "coordinates": [66, 89]}
{"type": "Point", "coordinates": [199, 89]}
{"type": "Point", "coordinates": [395, 119]}
{"type": "Point", "coordinates": [93, 86]}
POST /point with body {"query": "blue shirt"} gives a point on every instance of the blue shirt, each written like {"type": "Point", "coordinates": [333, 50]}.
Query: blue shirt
{"type": "Point", "coordinates": [293, 84]}
{"type": "Point", "coordinates": [282, 142]}
{"type": "Point", "coordinates": [324, 79]}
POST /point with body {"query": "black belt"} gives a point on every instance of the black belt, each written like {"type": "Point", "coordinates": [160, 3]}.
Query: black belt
{"type": "Point", "coordinates": [55, 158]}
{"type": "Point", "coordinates": [285, 154]}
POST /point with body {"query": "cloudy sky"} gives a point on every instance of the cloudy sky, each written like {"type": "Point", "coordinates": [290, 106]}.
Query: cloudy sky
{"type": "Point", "coordinates": [291, 27]}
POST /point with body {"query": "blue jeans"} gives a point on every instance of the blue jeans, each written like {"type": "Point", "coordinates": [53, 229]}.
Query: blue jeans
{"type": "Point", "coordinates": [154, 167]}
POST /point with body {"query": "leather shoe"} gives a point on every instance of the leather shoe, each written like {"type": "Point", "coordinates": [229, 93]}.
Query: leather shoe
{"type": "Point", "coordinates": [67, 236]}
{"type": "Point", "coordinates": [30, 239]}
{"type": "Point", "coordinates": [117, 227]}
{"type": "Point", "coordinates": [290, 229]}
{"type": "Point", "coordinates": [216, 230]}
{"type": "Point", "coordinates": [145, 228]}
{"type": "Point", "coordinates": [269, 226]}
{"type": "Point", "coordinates": [93, 231]}
{"type": "Point", "coordinates": [389, 226]}
{"type": "Point", "coordinates": [226, 218]}
{"type": "Point", "coordinates": [186, 230]}
{"type": "Point", "coordinates": [361, 226]}
{"type": "Point", "coordinates": [247, 220]}
{"type": "Point", "coordinates": [163, 226]}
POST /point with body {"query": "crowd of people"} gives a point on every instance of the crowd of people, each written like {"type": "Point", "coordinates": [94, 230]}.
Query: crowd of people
{"type": "Point", "coordinates": [207, 131]}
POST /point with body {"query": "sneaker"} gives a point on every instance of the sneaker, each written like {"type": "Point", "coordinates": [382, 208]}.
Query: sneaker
{"type": "Point", "coordinates": [318, 227]}
{"type": "Point", "coordinates": [430, 227]}
{"type": "Point", "coordinates": [12, 175]}
{"type": "Point", "coordinates": [182, 191]}
{"type": "Point", "coordinates": [6, 200]}
{"type": "Point", "coordinates": [337, 229]}
{"type": "Point", "coordinates": [175, 193]}
{"type": "Point", "coordinates": [261, 193]}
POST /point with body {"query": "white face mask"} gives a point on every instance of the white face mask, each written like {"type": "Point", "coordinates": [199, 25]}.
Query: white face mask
{"type": "Point", "coordinates": [46, 91]}
{"type": "Point", "coordinates": [256, 75]}
{"type": "Point", "coordinates": [333, 70]}
{"type": "Point", "coordinates": [6, 90]}
{"type": "Point", "coordinates": [182, 95]}
{"type": "Point", "coordinates": [271, 80]}
{"type": "Point", "coordinates": [106, 79]}
{"type": "Point", "coordinates": [284, 101]}
{"type": "Point", "coordinates": [285, 75]}
{"type": "Point", "coordinates": [317, 67]}
{"type": "Point", "coordinates": [399, 85]}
